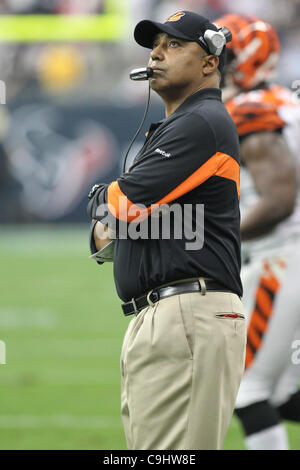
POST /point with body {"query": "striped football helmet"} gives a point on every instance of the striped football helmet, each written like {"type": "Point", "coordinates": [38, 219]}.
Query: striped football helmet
{"type": "Point", "coordinates": [254, 50]}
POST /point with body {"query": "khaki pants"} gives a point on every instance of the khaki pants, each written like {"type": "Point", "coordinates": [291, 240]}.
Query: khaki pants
{"type": "Point", "coordinates": [182, 362]}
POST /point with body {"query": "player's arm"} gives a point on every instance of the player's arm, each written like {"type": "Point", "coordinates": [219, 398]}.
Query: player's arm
{"type": "Point", "coordinates": [272, 168]}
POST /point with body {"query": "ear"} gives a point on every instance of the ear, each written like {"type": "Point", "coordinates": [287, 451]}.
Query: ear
{"type": "Point", "coordinates": [210, 64]}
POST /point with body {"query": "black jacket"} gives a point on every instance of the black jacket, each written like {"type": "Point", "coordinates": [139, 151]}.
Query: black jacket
{"type": "Point", "coordinates": [189, 159]}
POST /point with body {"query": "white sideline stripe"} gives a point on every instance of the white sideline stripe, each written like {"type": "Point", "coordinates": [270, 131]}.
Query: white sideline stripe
{"type": "Point", "coordinates": [66, 377]}
{"type": "Point", "coordinates": [41, 318]}
{"type": "Point", "coordinates": [66, 421]}
{"type": "Point", "coordinates": [32, 242]}
{"type": "Point", "coordinates": [87, 382]}
{"type": "Point", "coordinates": [63, 347]}
{"type": "Point", "coordinates": [58, 421]}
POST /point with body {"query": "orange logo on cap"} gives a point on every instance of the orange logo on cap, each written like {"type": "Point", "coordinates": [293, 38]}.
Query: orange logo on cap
{"type": "Point", "coordinates": [176, 17]}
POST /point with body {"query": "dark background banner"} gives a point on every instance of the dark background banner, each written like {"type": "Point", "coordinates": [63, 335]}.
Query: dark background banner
{"type": "Point", "coordinates": [51, 155]}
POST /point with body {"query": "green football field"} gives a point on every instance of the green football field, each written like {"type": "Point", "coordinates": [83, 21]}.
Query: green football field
{"type": "Point", "coordinates": [62, 325]}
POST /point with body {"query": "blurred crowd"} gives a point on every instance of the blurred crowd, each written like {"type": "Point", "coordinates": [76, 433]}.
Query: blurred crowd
{"type": "Point", "coordinates": [99, 71]}
{"type": "Point", "coordinates": [50, 6]}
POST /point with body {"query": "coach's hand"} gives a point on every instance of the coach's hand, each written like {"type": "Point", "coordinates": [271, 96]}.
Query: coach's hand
{"type": "Point", "coordinates": [103, 235]}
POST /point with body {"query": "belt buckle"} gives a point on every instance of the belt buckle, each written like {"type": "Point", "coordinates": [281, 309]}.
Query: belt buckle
{"type": "Point", "coordinates": [134, 306]}
{"type": "Point", "coordinates": [150, 302]}
{"type": "Point", "coordinates": [202, 285]}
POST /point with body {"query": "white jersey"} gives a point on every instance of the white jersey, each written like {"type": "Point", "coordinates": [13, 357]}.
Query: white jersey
{"type": "Point", "coordinates": [272, 109]}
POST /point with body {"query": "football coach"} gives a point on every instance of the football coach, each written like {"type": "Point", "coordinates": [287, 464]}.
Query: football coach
{"type": "Point", "coordinates": [183, 353]}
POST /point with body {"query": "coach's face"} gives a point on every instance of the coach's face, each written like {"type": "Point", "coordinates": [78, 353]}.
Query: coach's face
{"type": "Point", "coordinates": [178, 64]}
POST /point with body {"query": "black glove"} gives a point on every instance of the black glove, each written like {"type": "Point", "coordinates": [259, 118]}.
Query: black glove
{"type": "Point", "coordinates": [97, 197]}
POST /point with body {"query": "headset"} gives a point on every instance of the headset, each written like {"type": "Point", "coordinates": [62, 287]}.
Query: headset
{"type": "Point", "coordinates": [213, 40]}
{"type": "Point", "coordinates": [216, 40]}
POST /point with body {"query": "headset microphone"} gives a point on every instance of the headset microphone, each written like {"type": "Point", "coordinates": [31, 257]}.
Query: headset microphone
{"type": "Point", "coordinates": [141, 74]}
{"type": "Point", "coordinates": [137, 75]}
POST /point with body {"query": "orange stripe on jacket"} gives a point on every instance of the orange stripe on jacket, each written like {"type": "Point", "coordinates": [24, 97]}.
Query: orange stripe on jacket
{"type": "Point", "coordinates": [121, 207]}
{"type": "Point", "coordinates": [219, 164]}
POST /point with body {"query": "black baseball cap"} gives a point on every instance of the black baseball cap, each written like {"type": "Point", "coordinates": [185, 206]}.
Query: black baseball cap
{"type": "Point", "coordinates": [185, 25]}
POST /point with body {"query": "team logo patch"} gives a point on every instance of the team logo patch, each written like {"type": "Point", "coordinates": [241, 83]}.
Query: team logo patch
{"type": "Point", "coordinates": [175, 17]}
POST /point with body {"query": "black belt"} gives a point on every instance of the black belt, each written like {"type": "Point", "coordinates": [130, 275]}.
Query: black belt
{"type": "Point", "coordinates": [136, 305]}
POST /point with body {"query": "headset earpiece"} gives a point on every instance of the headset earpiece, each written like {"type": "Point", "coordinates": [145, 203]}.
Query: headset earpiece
{"type": "Point", "coordinates": [216, 40]}
{"type": "Point", "coordinates": [227, 33]}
